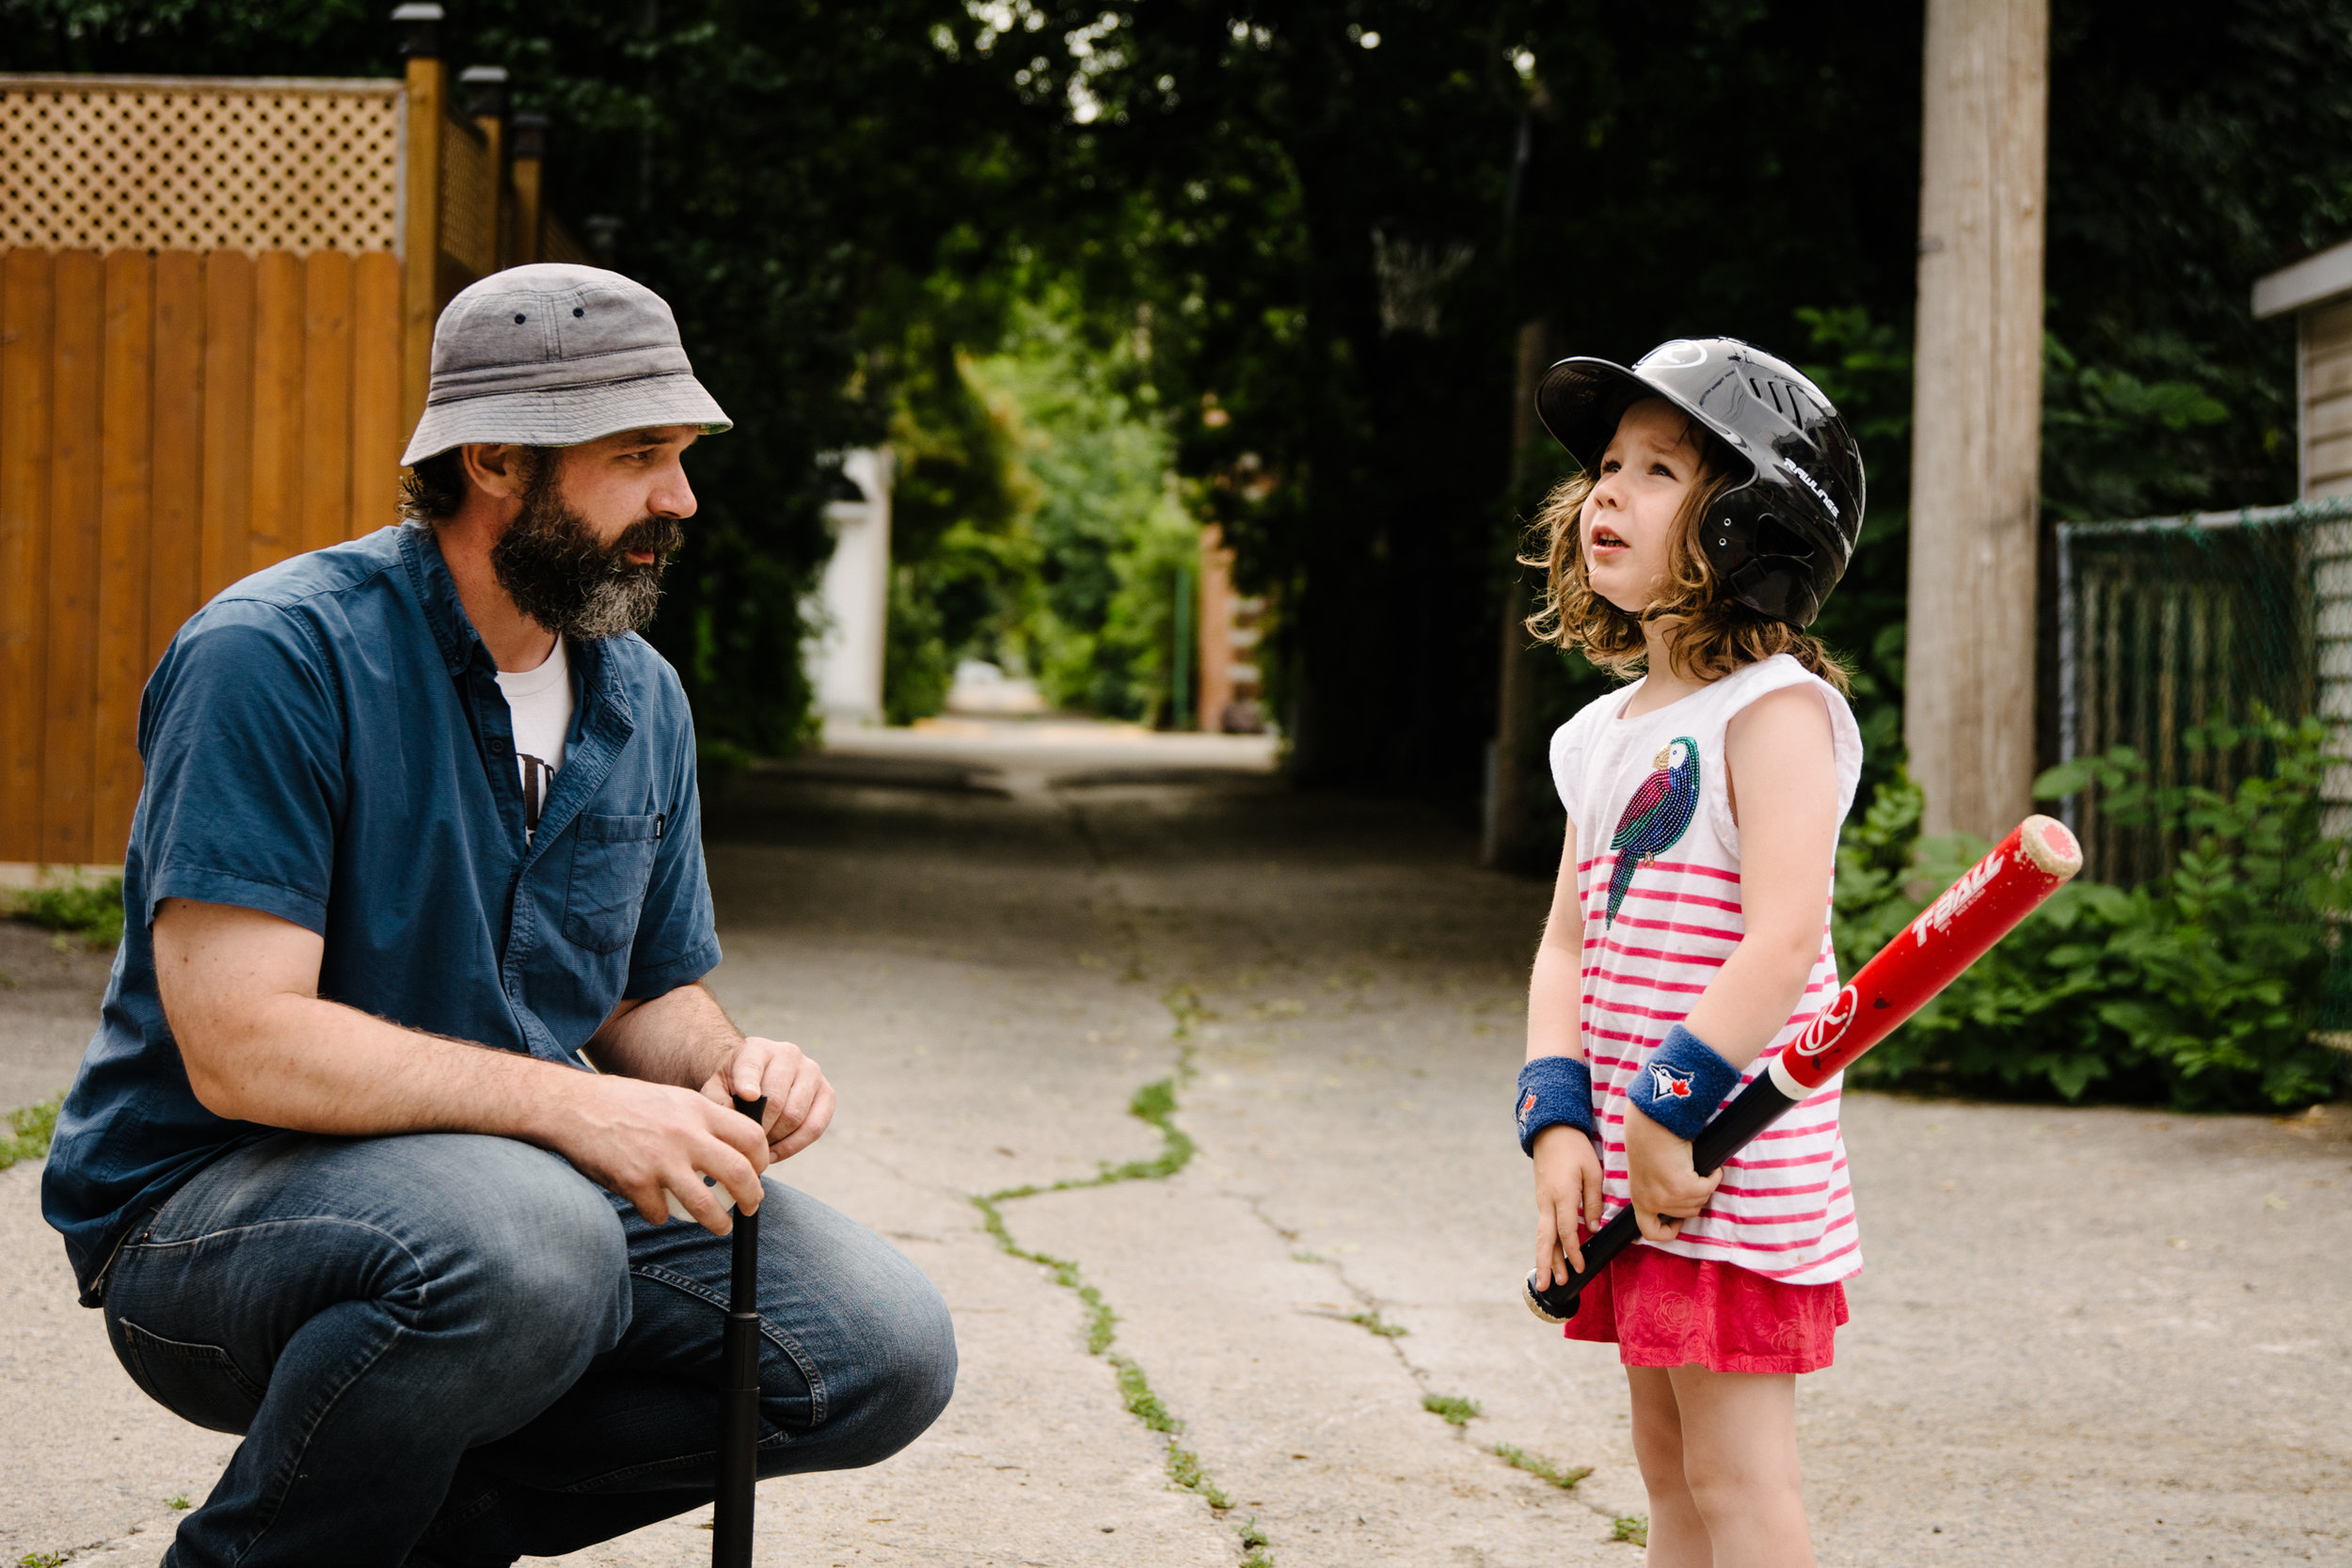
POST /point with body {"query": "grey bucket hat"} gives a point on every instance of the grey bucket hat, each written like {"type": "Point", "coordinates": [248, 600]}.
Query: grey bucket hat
{"type": "Point", "coordinates": [553, 354]}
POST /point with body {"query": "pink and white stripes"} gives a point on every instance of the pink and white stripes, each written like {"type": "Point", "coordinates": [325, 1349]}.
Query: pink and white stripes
{"type": "Point", "coordinates": [1785, 1209]}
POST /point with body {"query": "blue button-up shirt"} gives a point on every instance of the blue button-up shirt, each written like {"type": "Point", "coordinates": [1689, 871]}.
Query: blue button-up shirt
{"type": "Point", "coordinates": [326, 742]}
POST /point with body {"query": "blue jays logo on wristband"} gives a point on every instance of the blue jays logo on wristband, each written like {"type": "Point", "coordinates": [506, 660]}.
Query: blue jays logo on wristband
{"type": "Point", "coordinates": [1666, 1084]}
{"type": "Point", "coordinates": [1526, 1106]}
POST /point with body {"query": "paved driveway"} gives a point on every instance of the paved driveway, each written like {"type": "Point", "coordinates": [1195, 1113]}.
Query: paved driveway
{"type": "Point", "coordinates": [2082, 1337]}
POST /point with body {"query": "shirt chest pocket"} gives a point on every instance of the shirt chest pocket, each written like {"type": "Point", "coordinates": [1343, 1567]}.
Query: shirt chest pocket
{"type": "Point", "coordinates": [612, 862]}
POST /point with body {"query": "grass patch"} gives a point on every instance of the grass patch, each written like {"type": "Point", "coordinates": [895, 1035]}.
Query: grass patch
{"type": "Point", "coordinates": [175, 1504]}
{"type": "Point", "coordinates": [91, 911]}
{"type": "Point", "coordinates": [1631, 1528]}
{"type": "Point", "coordinates": [1372, 1323]}
{"type": "Point", "coordinates": [41, 1559]}
{"type": "Point", "coordinates": [1541, 1468]}
{"type": "Point", "coordinates": [1134, 1391]}
{"type": "Point", "coordinates": [25, 1134]}
{"type": "Point", "coordinates": [1184, 1468]}
{"type": "Point", "coordinates": [1453, 1410]}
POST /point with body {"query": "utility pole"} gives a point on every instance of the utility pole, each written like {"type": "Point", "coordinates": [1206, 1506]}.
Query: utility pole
{"type": "Point", "coordinates": [1968, 710]}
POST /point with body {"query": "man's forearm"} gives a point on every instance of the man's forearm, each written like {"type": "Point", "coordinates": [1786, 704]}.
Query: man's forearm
{"type": "Point", "coordinates": [312, 1066]}
{"type": "Point", "coordinates": [681, 1037]}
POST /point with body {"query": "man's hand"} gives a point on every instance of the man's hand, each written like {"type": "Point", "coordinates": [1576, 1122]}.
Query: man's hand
{"type": "Point", "coordinates": [1568, 1189]}
{"type": "Point", "coordinates": [654, 1142]}
{"type": "Point", "coordinates": [800, 1099]}
{"type": "Point", "coordinates": [1666, 1189]}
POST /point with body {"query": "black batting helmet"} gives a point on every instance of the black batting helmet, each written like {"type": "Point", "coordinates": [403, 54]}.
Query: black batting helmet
{"type": "Point", "coordinates": [1779, 539]}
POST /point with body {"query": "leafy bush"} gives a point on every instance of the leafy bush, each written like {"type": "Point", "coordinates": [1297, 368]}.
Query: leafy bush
{"type": "Point", "coordinates": [92, 910]}
{"type": "Point", "coordinates": [2203, 989]}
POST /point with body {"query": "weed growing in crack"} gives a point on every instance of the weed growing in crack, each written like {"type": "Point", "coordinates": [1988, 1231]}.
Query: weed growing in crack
{"type": "Point", "coordinates": [1099, 1314]}
{"type": "Point", "coordinates": [1303, 1256]}
{"type": "Point", "coordinates": [1189, 1010]}
{"type": "Point", "coordinates": [1372, 1323]}
{"type": "Point", "coordinates": [1541, 1468]}
{"type": "Point", "coordinates": [1457, 1412]}
{"type": "Point", "coordinates": [1184, 1468]}
{"type": "Point", "coordinates": [1631, 1528]}
{"type": "Point", "coordinates": [1154, 1103]}
{"type": "Point", "coordinates": [1141, 1402]}
{"type": "Point", "coordinates": [41, 1559]}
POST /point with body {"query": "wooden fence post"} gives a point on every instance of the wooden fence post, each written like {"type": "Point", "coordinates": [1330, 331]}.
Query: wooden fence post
{"type": "Point", "coordinates": [531, 150]}
{"type": "Point", "coordinates": [420, 237]}
{"type": "Point", "coordinates": [1968, 713]}
{"type": "Point", "coordinates": [484, 86]}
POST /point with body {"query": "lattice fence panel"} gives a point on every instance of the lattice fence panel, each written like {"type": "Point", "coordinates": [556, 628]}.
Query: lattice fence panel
{"type": "Point", "coordinates": [125, 164]}
{"type": "Point", "coordinates": [468, 201]}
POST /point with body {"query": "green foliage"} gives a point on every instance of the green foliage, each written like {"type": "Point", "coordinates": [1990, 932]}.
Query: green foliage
{"type": "Point", "coordinates": [1038, 522]}
{"type": "Point", "coordinates": [2201, 988]}
{"type": "Point", "coordinates": [1450, 1408]}
{"type": "Point", "coordinates": [1563, 1476]}
{"type": "Point", "coordinates": [1632, 1528]}
{"type": "Point", "coordinates": [91, 911]}
{"type": "Point", "coordinates": [28, 1131]}
{"type": "Point", "coordinates": [2111, 441]}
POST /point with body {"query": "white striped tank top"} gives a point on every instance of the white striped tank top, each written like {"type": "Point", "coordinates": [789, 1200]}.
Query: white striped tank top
{"type": "Point", "coordinates": [1658, 875]}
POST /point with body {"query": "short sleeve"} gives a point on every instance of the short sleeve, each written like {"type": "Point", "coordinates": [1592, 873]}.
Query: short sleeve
{"type": "Point", "coordinates": [678, 938]}
{"type": "Point", "coordinates": [242, 740]}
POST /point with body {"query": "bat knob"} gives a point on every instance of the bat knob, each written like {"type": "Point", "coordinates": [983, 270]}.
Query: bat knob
{"type": "Point", "coordinates": [1555, 1304]}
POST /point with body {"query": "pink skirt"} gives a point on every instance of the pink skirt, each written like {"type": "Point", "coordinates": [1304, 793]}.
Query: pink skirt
{"type": "Point", "coordinates": [1663, 1310]}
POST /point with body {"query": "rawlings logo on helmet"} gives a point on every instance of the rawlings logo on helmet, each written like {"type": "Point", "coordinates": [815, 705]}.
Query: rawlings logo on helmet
{"type": "Point", "coordinates": [1813, 484]}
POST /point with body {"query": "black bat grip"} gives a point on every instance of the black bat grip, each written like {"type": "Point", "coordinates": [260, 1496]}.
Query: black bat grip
{"type": "Point", "coordinates": [1758, 1106]}
{"type": "Point", "coordinates": [739, 1388]}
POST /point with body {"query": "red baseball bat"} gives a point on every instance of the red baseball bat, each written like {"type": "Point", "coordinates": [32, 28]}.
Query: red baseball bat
{"type": "Point", "coordinates": [1958, 928]}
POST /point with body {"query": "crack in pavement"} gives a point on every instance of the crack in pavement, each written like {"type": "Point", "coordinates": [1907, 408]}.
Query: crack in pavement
{"type": "Point", "coordinates": [1154, 1103]}
{"type": "Point", "coordinates": [1509, 1454]}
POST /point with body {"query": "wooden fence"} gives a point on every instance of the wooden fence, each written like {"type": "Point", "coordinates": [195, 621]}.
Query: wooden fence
{"type": "Point", "coordinates": [169, 423]}
{"type": "Point", "coordinates": [216, 303]}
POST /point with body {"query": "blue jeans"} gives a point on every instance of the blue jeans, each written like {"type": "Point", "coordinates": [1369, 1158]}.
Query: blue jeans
{"type": "Point", "coordinates": [457, 1350]}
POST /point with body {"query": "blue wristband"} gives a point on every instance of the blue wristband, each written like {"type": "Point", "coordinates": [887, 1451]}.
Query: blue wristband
{"type": "Point", "coordinates": [1554, 1091]}
{"type": "Point", "coordinates": [1682, 1084]}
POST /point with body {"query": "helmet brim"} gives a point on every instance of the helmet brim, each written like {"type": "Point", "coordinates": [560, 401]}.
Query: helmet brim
{"type": "Point", "coordinates": [1581, 400]}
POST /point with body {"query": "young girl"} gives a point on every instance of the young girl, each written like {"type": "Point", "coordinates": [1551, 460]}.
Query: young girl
{"type": "Point", "coordinates": [1688, 939]}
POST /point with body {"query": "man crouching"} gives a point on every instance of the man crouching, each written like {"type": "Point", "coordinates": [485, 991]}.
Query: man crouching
{"type": "Point", "coordinates": [418, 843]}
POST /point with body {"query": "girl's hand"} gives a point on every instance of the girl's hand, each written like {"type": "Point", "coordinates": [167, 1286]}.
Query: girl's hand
{"type": "Point", "coordinates": [1567, 1188]}
{"type": "Point", "coordinates": [1666, 1189]}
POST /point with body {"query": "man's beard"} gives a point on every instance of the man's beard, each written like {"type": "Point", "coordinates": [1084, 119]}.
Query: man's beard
{"type": "Point", "coordinates": [558, 572]}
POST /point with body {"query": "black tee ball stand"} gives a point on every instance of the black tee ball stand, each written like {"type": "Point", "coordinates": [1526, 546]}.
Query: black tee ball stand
{"type": "Point", "coordinates": [739, 1391]}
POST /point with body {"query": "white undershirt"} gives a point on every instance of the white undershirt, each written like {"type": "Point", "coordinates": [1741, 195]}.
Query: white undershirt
{"type": "Point", "coordinates": [541, 703]}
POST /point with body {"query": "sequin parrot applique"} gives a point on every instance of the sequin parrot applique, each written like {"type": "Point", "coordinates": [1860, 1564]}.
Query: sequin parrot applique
{"type": "Point", "coordinates": [1657, 817]}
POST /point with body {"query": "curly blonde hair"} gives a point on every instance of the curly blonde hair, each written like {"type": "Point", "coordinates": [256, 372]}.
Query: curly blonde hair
{"type": "Point", "coordinates": [1714, 633]}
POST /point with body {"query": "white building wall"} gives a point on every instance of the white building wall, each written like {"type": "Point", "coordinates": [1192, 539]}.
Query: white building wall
{"type": "Point", "coordinates": [852, 616]}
